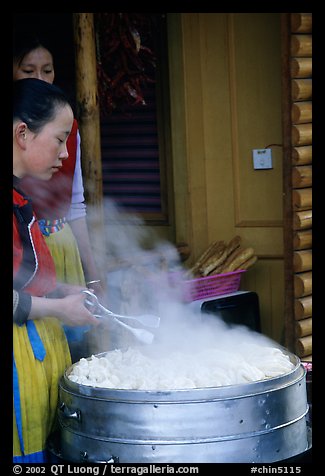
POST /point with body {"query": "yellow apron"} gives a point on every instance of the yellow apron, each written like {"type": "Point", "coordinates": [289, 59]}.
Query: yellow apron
{"type": "Point", "coordinates": [41, 354]}
{"type": "Point", "coordinates": [64, 250]}
{"type": "Point", "coordinates": [68, 267]}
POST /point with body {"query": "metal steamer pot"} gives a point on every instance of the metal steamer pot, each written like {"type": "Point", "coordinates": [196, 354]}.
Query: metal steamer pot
{"type": "Point", "coordinates": [263, 421]}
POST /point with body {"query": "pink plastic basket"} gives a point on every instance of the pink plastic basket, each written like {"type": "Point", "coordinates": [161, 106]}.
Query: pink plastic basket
{"type": "Point", "coordinates": [211, 286]}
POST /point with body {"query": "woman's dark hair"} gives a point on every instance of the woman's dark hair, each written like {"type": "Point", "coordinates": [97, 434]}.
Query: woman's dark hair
{"type": "Point", "coordinates": [26, 41]}
{"type": "Point", "coordinates": [36, 102]}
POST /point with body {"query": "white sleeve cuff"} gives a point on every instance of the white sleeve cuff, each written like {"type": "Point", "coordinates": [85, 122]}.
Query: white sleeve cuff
{"type": "Point", "coordinates": [77, 210]}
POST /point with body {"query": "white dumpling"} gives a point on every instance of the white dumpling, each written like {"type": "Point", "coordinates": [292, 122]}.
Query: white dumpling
{"type": "Point", "coordinates": [212, 367]}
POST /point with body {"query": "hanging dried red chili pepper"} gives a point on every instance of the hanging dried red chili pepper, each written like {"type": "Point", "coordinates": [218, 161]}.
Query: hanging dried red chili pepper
{"type": "Point", "coordinates": [125, 60]}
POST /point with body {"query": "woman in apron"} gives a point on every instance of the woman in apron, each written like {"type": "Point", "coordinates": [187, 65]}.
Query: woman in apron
{"type": "Point", "coordinates": [42, 121]}
{"type": "Point", "coordinates": [59, 203]}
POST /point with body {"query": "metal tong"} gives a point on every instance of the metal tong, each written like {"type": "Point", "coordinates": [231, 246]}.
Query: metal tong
{"type": "Point", "coordinates": [98, 310]}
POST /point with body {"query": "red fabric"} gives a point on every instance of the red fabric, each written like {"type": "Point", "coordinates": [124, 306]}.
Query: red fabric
{"type": "Point", "coordinates": [44, 279]}
{"type": "Point", "coordinates": [52, 198]}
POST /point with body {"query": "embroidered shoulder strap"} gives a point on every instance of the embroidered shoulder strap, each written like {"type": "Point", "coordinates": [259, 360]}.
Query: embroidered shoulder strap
{"type": "Point", "coordinates": [25, 219]}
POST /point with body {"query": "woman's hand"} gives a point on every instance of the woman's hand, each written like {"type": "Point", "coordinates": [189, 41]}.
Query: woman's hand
{"type": "Point", "coordinates": [70, 310]}
{"type": "Point", "coordinates": [64, 289]}
{"type": "Point", "coordinates": [73, 311]}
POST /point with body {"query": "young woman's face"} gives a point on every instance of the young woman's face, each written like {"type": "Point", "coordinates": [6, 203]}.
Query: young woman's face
{"type": "Point", "coordinates": [46, 150]}
{"type": "Point", "coordinates": [37, 64]}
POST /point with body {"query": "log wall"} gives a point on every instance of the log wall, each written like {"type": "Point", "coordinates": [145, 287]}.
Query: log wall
{"type": "Point", "coordinates": [298, 184]}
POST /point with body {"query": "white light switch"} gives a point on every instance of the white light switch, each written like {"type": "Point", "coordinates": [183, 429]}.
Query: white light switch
{"type": "Point", "coordinates": [262, 158]}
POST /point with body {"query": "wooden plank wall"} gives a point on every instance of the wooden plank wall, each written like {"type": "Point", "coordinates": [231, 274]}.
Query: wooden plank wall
{"type": "Point", "coordinates": [301, 180]}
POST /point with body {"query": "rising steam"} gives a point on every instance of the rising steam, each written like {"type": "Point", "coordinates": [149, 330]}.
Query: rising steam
{"type": "Point", "coordinates": [141, 271]}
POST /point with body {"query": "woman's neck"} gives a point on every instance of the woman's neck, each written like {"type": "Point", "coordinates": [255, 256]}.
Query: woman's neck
{"type": "Point", "coordinates": [17, 169]}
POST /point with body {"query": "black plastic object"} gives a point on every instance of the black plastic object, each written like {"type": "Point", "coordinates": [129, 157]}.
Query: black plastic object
{"type": "Point", "coordinates": [239, 308]}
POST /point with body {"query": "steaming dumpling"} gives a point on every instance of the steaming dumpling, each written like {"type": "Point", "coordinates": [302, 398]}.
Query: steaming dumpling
{"type": "Point", "coordinates": [134, 370]}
